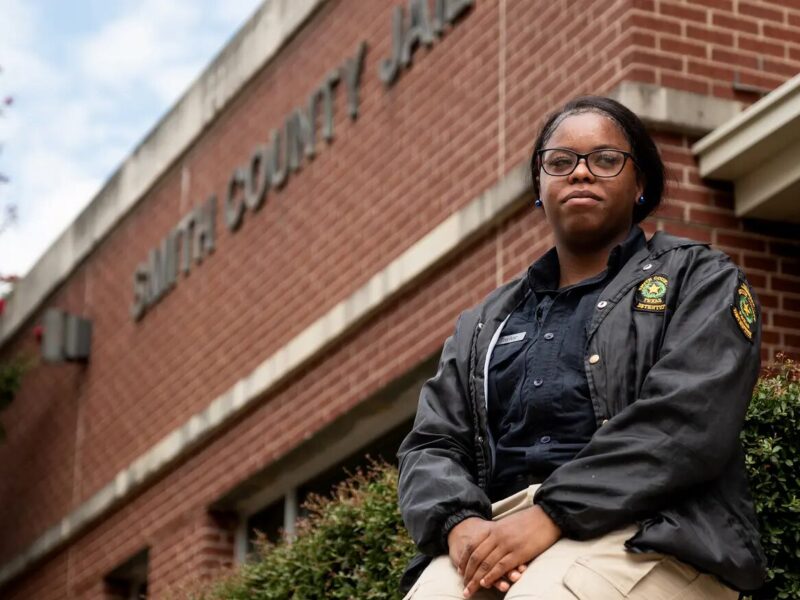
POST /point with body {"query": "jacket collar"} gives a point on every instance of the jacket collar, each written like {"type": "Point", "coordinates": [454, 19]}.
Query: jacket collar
{"type": "Point", "coordinates": [504, 300]}
{"type": "Point", "coordinates": [543, 275]}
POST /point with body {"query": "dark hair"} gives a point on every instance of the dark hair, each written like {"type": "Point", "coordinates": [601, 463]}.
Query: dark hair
{"type": "Point", "coordinates": [643, 148]}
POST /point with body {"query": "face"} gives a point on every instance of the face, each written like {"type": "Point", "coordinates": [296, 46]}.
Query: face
{"type": "Point", "coordinates": [585, 210]}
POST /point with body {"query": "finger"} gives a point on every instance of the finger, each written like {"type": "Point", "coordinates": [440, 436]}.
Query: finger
{"type": "Point", "coordinates": [468, 549]}
{"type": "Point", "coordinates": [498, 570]}
{"type": "Point", "coordinates": [477, 557]}
{"type": "Point", "coordinates": [502, 584]}
{"type": "Point", "coordinates": [486, 565]}
{"type": "Point", "coordinates": [515, 573]}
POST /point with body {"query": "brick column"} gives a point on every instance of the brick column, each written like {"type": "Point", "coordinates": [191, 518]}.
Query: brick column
{"type": "Point", "coordinates": [191, 551]}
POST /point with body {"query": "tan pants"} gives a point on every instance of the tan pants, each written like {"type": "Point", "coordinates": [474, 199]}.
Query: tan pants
{"type": "Point", "coordinates": [598, 569]}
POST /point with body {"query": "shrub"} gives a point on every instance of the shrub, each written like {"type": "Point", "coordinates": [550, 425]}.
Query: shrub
{"type": "Point", "coordinates": [10, 381]}
{"type": "Point", "coordinates": [354, 545]}
{"type": "Point", "coordinates": [771, 438]}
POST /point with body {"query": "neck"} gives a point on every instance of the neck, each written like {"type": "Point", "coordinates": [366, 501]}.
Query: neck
{"type": "Point", "coordinates": [579, 262]}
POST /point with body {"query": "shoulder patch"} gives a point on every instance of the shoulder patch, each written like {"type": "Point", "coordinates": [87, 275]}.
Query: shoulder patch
{"type": "Point", "coordinates": [651, 293]}
{"type": "Point", "coordinates": [744, 310]}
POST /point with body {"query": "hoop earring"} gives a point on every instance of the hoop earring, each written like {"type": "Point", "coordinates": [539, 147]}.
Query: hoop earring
{"type": "Point", "coordinates": [640, 200]}
{"type": "Point", "coordinates": [538, 203]}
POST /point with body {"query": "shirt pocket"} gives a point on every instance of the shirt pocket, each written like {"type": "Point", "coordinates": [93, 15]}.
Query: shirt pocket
{"type": "Point", "coordinates": [508, 370]}
{"type": "Point", "coordinates": [508, 363]}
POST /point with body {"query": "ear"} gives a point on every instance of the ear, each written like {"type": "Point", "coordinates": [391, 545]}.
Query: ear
{"type": "Point", "coordinates": [641, 184]}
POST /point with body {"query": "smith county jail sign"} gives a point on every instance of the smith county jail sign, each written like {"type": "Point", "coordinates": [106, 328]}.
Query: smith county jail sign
{"type": "Point", "coordinates": [272, 163]}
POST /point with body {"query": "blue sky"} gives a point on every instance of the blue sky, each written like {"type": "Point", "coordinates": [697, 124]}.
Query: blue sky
{"type": "Point", "coordinates": [89, 79]}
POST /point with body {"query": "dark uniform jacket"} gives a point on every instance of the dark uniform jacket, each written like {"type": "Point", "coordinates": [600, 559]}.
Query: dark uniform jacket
{"type": "Point", "coordinates": [671, 359]}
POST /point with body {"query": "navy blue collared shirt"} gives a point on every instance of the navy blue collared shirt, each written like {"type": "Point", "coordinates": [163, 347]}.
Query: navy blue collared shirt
{"type": "Point", "coordinates": [540, 410]}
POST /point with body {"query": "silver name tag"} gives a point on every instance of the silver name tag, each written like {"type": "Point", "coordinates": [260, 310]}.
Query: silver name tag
{"type": "Point", "coordinates": [508, 339]}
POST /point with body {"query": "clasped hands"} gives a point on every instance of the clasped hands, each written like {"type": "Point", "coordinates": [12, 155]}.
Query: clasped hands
{"type": "Point", "coordinates": [495, 553]}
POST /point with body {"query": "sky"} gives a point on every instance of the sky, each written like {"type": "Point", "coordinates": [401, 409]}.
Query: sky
{"type": "Point", "coordinates": [89, 79]}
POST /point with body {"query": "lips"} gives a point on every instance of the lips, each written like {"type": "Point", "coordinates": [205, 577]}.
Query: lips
{"type": "Point", "coordinates": [583, 195]}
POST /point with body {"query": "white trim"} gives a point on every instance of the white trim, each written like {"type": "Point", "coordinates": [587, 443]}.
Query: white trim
{"type": "Point", "coordinates": [290, 511]}
{"type": "Point", "coordinates": [240, 540]}
{"type": "Point", "coordinates": [774, 110]}
{"type": "Point", "coordinates": [759, 152]}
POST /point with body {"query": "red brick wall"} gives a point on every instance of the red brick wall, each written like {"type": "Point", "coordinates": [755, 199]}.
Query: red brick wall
{"type": "Point", "coordinates": [703, 45]}
{"type": "Point", "coordinates": [462, 116]}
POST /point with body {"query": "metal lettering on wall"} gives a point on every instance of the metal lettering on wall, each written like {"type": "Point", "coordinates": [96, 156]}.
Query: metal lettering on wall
{"type": "Point", "coordinates": [193, 238]}
{"type": "Point", "coordinates": [419, 29]}
{"type": "Point", "coordinates": [271, 164]}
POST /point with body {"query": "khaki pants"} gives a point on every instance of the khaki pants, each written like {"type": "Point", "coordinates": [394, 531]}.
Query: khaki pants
{"type": "Point", "coordinates": [598, 569]}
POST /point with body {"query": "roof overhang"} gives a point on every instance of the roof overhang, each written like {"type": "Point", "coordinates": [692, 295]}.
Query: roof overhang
{"type": "Point", "coordinates": [759, 151]}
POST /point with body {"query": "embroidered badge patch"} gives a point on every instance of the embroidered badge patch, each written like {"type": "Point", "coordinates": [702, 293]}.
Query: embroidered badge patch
{"type": "Point", "coordinates": [744, 310]}
{"type": "Point", "coordinates": [651, 293]}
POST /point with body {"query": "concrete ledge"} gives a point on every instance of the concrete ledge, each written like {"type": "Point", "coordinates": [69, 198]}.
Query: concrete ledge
{"type": "Point", "coordinates": [447, 238]}
{"type": "Point", "coordinates": [668, 109]}
{"type": "Point", "coordinates": [254, 45]}
{"type": "Point", "coordinates": [762, 127]}
{"type": "Point", "coordinates": [759, 151]}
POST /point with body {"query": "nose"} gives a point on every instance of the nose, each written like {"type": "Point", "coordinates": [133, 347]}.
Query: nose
{"type": "Point", "coordinates": [581, 171]}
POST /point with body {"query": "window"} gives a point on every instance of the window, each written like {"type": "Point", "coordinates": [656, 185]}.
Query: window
{"type": "Point", "coordinates": [270, 500]}
{"type": "Point", "coordinates": [277, 518]}
{"type": "Point", "coordinates": [129, 580]}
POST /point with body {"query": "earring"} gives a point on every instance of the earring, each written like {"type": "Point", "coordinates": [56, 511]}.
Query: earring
{"type": "Point", "coordinates": [640, 200]}
{"type": "Point", "coordinates": [538, 203]}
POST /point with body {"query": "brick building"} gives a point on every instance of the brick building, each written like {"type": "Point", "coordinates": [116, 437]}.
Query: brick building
{"type": "Point", "coordinates": [270, 275]}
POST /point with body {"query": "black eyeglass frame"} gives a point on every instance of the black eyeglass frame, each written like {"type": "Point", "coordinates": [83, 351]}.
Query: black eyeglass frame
{"type": "Point", "coordinates": [585, 157]}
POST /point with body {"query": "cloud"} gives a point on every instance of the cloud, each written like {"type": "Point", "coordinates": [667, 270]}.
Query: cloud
{"type": "Point", "coordinates": [157, 46]}
{"type": "Point", "coordinates": [63, 188]}
{"type": "Point", "coordinates": [87, 90]}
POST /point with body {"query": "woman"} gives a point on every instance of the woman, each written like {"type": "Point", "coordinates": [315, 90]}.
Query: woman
{"type": "Point", "coordinates": [581, 436]}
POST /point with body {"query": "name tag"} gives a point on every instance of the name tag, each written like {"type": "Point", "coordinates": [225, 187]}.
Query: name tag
{"type": "Point", "coordinates": [511, 338]}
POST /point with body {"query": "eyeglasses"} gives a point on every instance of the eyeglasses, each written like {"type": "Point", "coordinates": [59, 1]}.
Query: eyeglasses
{"type": "Point", "coordinates": [605, 162]}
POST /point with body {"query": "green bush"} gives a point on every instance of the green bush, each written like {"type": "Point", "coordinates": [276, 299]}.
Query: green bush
{"type": "Point", "coordinates": [351, 546]}
{"type": "Point", "coordinates": [10, 381]}
{"type": "Point", "coordinates": [355, 546]}
{"type": "Point", "coordinates": [771, 438]}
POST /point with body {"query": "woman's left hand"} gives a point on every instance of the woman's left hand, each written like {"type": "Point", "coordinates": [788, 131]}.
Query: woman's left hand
{"type": "Point", "coordinates": [512, 541]}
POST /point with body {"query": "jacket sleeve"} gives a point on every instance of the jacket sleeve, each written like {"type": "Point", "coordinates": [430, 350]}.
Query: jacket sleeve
{"type": "Point", "coordinates": [437, 487]}
{"type": "Point", "coordinates": [683, 428]}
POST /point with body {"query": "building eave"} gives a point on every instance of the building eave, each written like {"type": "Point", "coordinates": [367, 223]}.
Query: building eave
{"type": "Point", "coordinates": [759, 151]}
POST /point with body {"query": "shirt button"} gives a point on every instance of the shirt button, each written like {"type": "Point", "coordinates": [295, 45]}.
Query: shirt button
{"type": "Point", "coordinates": [548, 336]}
{"type": "Point", "coordinates": [647, 267]}
{"type": "Point", "coordinates": [602, 304]}
{"type": "Point", "coordinates": [545, 439]}
{"type": "Point", "coordinates": [537, 382]}
{"type": "Point", "coordinates": [594, 359]}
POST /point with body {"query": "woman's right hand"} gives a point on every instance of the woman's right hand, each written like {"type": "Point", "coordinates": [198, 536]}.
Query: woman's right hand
{"type": "Point", "coordinates": [462, 541]}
